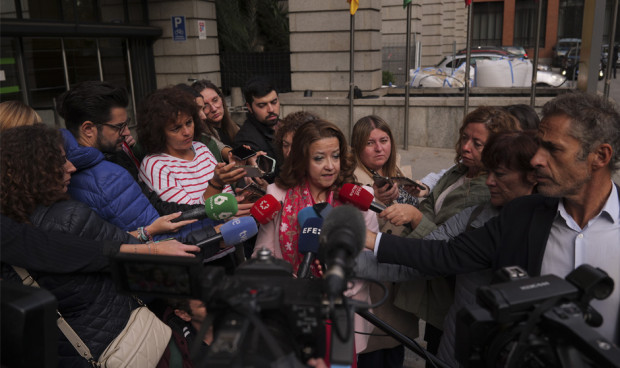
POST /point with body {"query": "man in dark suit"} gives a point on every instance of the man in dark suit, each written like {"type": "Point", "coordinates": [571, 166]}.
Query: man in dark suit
{"type": "Point", "coordinates": [574, 220]}
{"type": "Point", "coordinates": [263, 104]}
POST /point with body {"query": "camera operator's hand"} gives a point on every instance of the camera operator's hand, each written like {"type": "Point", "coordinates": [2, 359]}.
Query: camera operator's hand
{"type": "Point", "coordinates": [163, 248]}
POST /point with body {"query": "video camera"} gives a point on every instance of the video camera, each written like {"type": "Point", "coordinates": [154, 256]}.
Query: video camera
{"type": "Point", "coordinates": [543, 321]}
{"type": "Point", "coordinates": [261, 314]}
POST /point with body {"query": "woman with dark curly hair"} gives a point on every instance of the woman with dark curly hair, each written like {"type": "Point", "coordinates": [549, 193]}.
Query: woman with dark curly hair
{"type": "Point", "coordinates": [178, 167]}
{"type": "Point", "coordinates": [34, 180]}
{"type": "Point", "coordinates": [218, 119]}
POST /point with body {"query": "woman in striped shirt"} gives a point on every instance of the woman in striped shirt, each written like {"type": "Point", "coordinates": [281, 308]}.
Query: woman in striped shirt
{"type": "Point", "coordinates": [178, 167]}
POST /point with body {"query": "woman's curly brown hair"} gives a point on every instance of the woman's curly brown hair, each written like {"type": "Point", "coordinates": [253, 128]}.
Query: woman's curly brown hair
{"type": "Point", "coordinates": [32, 170]}
{"type": "Point", "coordinates": [295, 168]}
{"type": "Point", "coordinates": [160, 108]}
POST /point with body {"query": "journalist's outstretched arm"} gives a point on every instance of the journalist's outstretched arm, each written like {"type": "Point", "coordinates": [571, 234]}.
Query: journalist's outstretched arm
{"type": "Point", "coordinates": [516, 237]}
{"type": "Point", "coordinates": [27, 246]}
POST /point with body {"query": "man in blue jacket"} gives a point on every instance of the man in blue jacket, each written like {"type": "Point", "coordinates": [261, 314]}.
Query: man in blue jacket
{"type": "Point", "coordinates": [96, 118]}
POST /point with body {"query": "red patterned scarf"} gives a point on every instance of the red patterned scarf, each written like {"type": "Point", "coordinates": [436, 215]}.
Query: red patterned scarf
{"type": "Point", "coordinates": [296, 199]}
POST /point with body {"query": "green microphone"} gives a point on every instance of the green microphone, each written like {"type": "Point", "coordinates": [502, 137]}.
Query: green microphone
{"type": "Point", "coordinates": [218, 207]}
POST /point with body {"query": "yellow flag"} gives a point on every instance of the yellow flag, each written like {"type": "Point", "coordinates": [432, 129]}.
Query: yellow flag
{"type": "Point", "coordinates": [354, 5]}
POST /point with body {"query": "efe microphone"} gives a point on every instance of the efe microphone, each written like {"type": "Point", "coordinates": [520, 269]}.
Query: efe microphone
{"type": "Point", "coordinates": [218, 207]}
{"type": "Point", "coordinates": [308, 244]}
{"type": "Point", "coordinates": [359, 197]}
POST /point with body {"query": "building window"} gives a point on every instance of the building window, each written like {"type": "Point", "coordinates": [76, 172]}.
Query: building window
{"type": "Point", "coordinates": [86, 11]}
{"type": "Point", "coordinates": [525, 23]}
{"type": "Point", "coordinates": [570, 18]}
{"type": "Point", "coordinates": [488, 21]}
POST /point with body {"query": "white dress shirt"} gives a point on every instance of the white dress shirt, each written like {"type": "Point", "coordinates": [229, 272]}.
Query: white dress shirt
{"type": "Point", "coordinates": [597, 244]}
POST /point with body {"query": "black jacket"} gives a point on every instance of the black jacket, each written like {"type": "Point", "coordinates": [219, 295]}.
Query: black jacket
{"type": "Point", "coordinates": [87, 299]}
{"type": "Point", "coordinates": [518, 236]}
{"type": "Point", "coordinates": [259, 137]}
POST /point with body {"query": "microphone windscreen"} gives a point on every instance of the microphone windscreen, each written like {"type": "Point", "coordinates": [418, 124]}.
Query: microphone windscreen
{"type": "Point", "coordinates": [309, 235]}
{"type": "Point", "coordinates": [304, 214]}
{"type": "Point", "coordinates": [356, 195]}
{"type": "Point", "coordinates": [265, 209]}
{"type": "Point", "coordinates": [221, 206]}
{"type": "Point", "coordinates": [238, 230]}
{"type": "Point", "coordinates": [344, 228]}
{"type": "Point", "coordinates": [323, 209]}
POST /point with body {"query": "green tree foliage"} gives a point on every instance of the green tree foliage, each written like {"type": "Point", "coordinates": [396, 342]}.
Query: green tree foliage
{"type": "Point", "coordinates": [252, 26]}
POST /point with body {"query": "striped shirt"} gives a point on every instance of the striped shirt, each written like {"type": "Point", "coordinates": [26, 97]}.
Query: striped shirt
{"type": "Point", "coordinates": [177, 180]}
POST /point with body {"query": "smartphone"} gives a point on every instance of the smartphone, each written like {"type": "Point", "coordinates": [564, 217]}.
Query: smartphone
{"type": "Point", "coordinates": [380, 181]}
{"type": "Point", "coordinates": [266, 164]}
{"type": "Point", "coordinates": [241, 153]}
{"type": "Point", "coordinates": [251, 171]}
{"type": "Point", "coordinates": [252, 193]}
{"type": "Point", "coordinates": [402, 181]}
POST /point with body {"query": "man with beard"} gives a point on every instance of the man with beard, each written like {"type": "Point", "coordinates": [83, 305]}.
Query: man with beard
{"type": "Point", "coordinates": [96, 118]}
{"type": "Point", "coordinates": [574, 220]}
{"type": "Point", "coordinates": [261, 99]}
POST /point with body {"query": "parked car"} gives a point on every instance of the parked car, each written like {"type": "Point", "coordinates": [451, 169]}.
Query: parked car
{"type": "Point", "coordinates": [562, 47]}
{"type": "Point", "coordinates": [543, 77]}
{"type": "Point", "coordinates": [516, 50]}
{"type": "Point", "coordinates": [570, 65]}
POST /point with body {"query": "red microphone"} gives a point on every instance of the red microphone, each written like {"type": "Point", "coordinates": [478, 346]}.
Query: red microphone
{"type": "Point", "coordinates": [265, 209]}
{"type": "Point", "coordinates": [360, 198]}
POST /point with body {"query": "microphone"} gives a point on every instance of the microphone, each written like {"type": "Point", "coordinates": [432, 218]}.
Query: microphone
{"type": "Point", "coordinates": [218, 207]}
{"type": "Point", "coordinates": [359, 197]}
{"type": "Point", "coordinates": [233, 232]}
{"type": "Point", "coordinates": [265, 209]}
{"type": "Point", "coordinates": [308, 244]}
{"type": "Point", "coordinates": [304, 214]}
{"type": "Point", "coordinates": [341, 240]}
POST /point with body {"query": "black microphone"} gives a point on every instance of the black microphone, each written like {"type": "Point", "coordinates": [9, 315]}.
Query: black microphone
{"type": "Point", "coordinates": [308, 244]}
{"type": "Point", "coordinates": [342, 239]}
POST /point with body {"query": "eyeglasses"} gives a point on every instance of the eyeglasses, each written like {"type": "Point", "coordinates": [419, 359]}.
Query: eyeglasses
{"type": "Point", "coordinates": [119, 127]}
{"type": "Point", "coordinates": [216, 101]}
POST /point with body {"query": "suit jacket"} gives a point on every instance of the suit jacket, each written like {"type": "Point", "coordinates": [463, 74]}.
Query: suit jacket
{"type": "Point", "coordinates": [518, 236]}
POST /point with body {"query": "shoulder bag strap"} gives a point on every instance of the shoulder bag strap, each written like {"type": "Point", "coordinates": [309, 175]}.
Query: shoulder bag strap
{"type": "Point", "coordinates": [64, 327]}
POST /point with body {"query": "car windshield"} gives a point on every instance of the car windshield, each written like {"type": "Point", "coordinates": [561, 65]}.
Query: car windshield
{"type": "Point", "coordinates": [441, 62]}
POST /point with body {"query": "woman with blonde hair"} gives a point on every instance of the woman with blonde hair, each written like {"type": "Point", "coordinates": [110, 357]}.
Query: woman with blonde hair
{"type": "Point", "coordinates": [16, 113]}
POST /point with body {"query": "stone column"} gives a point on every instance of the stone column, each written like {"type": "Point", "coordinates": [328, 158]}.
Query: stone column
{"type": "Point", "coordinates": [177, 61]}
{"type": "Point", "coordinates": [320, 45]}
